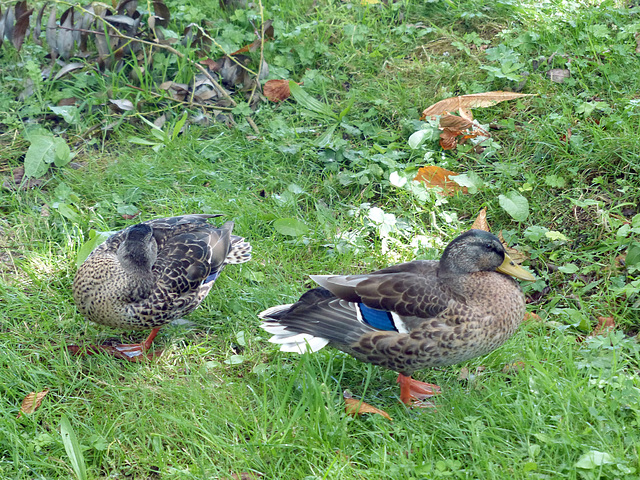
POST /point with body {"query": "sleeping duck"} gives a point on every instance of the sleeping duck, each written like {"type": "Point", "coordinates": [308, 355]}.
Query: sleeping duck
{"type": "Point", "coordinates": [148, 274]}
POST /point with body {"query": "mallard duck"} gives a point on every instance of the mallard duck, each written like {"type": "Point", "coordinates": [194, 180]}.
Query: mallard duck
{"type": "Point", "coordinates": [151, 273]}
{"type": "Point", "coordinates": [413, 315]}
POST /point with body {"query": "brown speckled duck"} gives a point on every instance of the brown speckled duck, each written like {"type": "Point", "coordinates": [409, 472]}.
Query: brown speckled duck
{"type": "Point", "coordinates": [148, 274]}
{"type": "Point", "coordinates": [412, 315]}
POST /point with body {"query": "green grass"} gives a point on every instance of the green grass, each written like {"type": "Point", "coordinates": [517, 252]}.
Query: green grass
{"type": "Point", "coordinates": [221, 399]}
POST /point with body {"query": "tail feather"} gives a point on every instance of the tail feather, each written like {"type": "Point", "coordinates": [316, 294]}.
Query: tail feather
{"type": "Point", "coordinates": [288, 340]}
{"type": "Point", "coordinates": [239, 252]}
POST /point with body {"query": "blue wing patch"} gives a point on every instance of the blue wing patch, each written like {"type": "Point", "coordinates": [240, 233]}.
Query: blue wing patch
{"type": "Point", "coordinates": [212, 277]}
{"type": "Point", "coordinates": [380, 319]}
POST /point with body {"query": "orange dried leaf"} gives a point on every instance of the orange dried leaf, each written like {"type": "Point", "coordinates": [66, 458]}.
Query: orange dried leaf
{"type": "Point", "coordinates": [449, 138]}
{"type": "Point", "coordinates": [465, 103]}
{"type": "Point", "coordinates": [605, 325]}
{"type": "Point", "coordinates": [210, 63]}
{"type": "Point", "coordinates": [276, 90]}
{"type": "Point", "coordinates": [32, 402]}
{"type": "Point", "coordinates": [434, 176]}
{"type": "Point", "coordinates": [480, 222]}
{"type": "Point", "coordinates": [532, 316]}
{"type": "Point", "coordinates": [357, 407]}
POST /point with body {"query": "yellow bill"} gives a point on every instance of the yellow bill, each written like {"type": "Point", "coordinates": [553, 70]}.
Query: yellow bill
{"type": "Point", "coordinates": [510, 268]}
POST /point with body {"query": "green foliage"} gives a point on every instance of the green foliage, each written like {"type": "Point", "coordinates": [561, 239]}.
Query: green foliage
{"type": "Point", "coordinates": [45, 150]}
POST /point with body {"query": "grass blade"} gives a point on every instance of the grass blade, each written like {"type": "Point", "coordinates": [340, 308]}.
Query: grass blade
{"type": "Point", "coordinates": [310, 103]}
{"type": "Point", "coordinates": [72, 447]}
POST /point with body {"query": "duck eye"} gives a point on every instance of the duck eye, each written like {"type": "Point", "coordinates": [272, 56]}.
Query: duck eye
{"type": "Point", "coordinates": [488, 246]}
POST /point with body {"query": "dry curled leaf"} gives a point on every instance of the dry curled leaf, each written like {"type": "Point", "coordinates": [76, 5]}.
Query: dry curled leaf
{"type": "Point", "coordinates": [605, 325]}
{"type": "Point", "coordinates": [531, 316]}
{"type": "Point", "coordinates": [455, 122]}
{"type": "Point", "coordinates": [357, 407]}
{"type": "Point", "coordinates": [516, 255]}
{"type": "Point", "coordinates": [434, 176]}
{"type": "Point", "coordinates": [465, 103]}
{"type": "Point", "coordinates": [480, 222]}
{"type": "Point", "coordinates": [276, 90]}
{"type": "Point", "coordinates": [32, 402]}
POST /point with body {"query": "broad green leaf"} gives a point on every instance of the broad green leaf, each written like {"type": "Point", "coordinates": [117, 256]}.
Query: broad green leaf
{"type": "Point", "coordinates": [290, 227]}
{"type": "Point", "coordinates": [593, 459]}
{"type": "Point", "coordinates": [234, 360]}
{"type": "Point", "coordinates": [568, 268]}
{"type": "Point", "coordinates": [95, 239]}
{"type": "Point", "coordinates": [325, 138]}
{"type": "Point", "coordinates": [73, 448]}
{"type": "Point", "coordinates": [307, 101]}
{"type": "Point", "coordinates": [515, 205]}
{"type": "Point", "coordinates": [555, 236]}
{"type": "Point", "coordinates": [470, 180]}
{"type": "Point", "coordinates": [142, 141]}
{"type": "Point", "coordinates": [160, 135]}
{"type": "Point", "coordinates": [40, 154]}
{"type": "Point", "coordinates": [633, 255]}
{"type": "Point", "coordinates": [70, 113]}
{"type": "Point", "coordinates": [535, 233]}
{"type": "Point", "coordinates": [62, 154]}
{"type": "Point", "coordinates": [555, 181]}
{"type": "Point", "coordinates": [583, 203]}
{"type": "Point", "coordinates": [417, 138]}
{"type": "Point", "coordinates": [68, 212]}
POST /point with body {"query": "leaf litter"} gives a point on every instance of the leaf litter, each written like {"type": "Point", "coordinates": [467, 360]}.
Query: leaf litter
{"type": "Point", "coordinates": [355, 407]}
{"type": "Point", "coordinates": [32, 402]}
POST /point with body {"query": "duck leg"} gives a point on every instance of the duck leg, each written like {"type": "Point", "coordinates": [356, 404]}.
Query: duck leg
{"type": "Point", "coordinates": [133, 352]}
{"type": "Point", "coordinates": [413, 391]}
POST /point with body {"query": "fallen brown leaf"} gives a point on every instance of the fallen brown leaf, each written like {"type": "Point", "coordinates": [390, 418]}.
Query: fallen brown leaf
{"type": "Point", "coordinates": [465, 103]}
{"type": "Point", "coordinates": [516, 255]}
{"type": "Point", "coordinates": [453, 121]}
{"type": "Point", "coordinates": [276, 90]}
{"type": "Point", "coordinates": [32, 402]}
{"type": "Point", "coordinates": [558, 75]}
{"type": "Point", "coordinates": [14, 181]}
{"type": "Point", "coordinates": [514, 367]}
{"type": "Point", "coordinates": [449, 138]}
{"type": "Point", "coordinates": [605, 325]}
{"type": "Point", "coordinates": [480, 222]}
{"type": "Point", "coordinates": [434, 176]}
{"type": "Point", "coordinates": [357, 407]}
{"type": "Point", "coordinates": [531, 316]}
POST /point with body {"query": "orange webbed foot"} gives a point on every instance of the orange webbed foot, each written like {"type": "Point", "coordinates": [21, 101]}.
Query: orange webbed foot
{"type": "Point", "coordinates": [414, 393]}
{"type": "Point", "coordinates": [132, 352]}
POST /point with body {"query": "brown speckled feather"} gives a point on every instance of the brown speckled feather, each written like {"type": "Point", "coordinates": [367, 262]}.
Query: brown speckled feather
{"type": "Point", "coordinates": [436, 313]}
{"type": "Point", "coordinates": [186, 254]}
